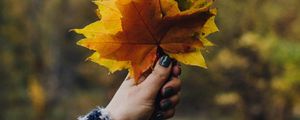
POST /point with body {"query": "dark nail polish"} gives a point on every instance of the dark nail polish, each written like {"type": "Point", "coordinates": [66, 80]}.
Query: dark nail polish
{"type": "Point", "coordinates": [168, 92]}
{"type": "Point", "coordinates": [166, 104]}
{"type": "Point", "coordinates": [159, 116]}
{"type": "Point", "coordinates": [175, 62]}
{"type": "Point", "coordinates": [165, 61]}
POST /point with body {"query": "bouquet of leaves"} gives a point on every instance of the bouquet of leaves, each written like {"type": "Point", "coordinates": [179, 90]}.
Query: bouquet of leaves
{"type": "Point", "coordinates": [133, 34]}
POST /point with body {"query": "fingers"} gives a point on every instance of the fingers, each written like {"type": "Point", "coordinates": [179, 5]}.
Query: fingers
{"type": "Point", "coordinates": [168, 106]}
{"type": "Point", "coordinates": [169, 103]}
{"type": "Point", "coordinates": [159, 75]}
{"type": "Point", "coordinates": [174, 85]}
{"type": "Point", "coordinates": [171, 87]}
{"type": "Point", "coordinates": [169, 114]}
{"type": "Point", "coordinates": [170, 93]}
{"type": "Point", "coordinates": [176, 70]}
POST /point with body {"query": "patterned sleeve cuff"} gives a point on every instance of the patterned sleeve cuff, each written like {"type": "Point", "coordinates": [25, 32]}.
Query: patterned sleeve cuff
{"type": "Point", "coordinates": [96, 114]}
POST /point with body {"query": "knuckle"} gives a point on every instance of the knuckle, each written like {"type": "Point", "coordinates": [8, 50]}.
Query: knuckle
{"type": "Point", "coordinates": [177, 84]}
{"type": "Point", "coordinates": [178, 81]}
{"type": "Point", "coordinates": [170, 113]}
{"type": "Point", "coordinates": [176, 100]}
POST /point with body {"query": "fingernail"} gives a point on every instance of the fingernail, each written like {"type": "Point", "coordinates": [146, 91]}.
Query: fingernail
{"type": "Point", "coordinates": [175, 62]}
{"type": "Point", "coordinates": [168, 92]}
{"type": "Point", "coordinates": [159, 116]}
{"type": "Point", "coordinates": [176, 72]}
{"type": "Point", "coordinates": [165, 61]}
{"type": "Point", "coordinates": [166, 104]}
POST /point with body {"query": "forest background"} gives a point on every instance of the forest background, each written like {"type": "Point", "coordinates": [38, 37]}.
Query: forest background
{"type": "Point", "coordinates": [253, 73]}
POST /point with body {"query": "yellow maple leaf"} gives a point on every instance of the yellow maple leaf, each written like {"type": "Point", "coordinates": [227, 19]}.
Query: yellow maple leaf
{"type": "Point", "coordinates": [131, 33]}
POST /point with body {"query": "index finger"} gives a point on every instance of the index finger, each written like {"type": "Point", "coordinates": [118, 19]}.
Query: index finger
{"type": "Point", "coordinates": [159, 75]}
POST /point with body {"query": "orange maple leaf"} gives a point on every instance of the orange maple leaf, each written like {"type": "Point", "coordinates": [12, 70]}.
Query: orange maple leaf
{"type": "Point", "coordinates": [132, 32]}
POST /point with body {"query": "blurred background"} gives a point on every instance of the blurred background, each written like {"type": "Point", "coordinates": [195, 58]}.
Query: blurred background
{"type": "Point", "coordinates": [254, 71]}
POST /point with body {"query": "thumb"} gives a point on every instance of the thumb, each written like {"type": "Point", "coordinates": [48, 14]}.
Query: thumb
{"type": "Point", "coordinates": [159, 75]}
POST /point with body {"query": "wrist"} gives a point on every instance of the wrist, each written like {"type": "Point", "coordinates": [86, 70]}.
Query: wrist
{"type": "Point", "coordinates": [115, 114]}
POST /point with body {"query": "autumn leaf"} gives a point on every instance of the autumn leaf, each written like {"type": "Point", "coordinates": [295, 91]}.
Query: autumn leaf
{"type": "Point", "coordinates": [132, 33]}
{"type": "Point", "coordinates": [36, 93]}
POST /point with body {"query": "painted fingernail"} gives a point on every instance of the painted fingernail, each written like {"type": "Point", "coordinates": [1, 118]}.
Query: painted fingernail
{"type": "Point", "coordinates": [165, 61]}
{"type": "Point", "coordinates": [166, 104]}
{"type": "Point", "coordinates": [176, 72]}
{"type": "Point", "coordinates": [168, 92]}
{"type": "Point", "coordinates": [159, 116]}
{"type": "Point", "coordinates": [175, 62]}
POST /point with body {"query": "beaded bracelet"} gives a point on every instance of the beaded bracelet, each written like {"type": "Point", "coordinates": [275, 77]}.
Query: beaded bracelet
{"type": "Point", "coordinates": [96, 114]}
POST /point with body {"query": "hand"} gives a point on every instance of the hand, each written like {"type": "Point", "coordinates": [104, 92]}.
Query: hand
{"type": "Point", "coordinates": [137, 102]}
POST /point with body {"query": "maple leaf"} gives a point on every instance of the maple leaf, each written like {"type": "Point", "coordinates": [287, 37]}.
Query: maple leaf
{"type": "Point", "coordinates": [130, 33]}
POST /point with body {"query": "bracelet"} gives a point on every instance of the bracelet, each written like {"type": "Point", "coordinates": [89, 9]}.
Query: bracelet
{"type": "Point", "coordinates": [96, 114]}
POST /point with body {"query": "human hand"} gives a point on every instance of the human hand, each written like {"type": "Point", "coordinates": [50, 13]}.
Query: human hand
{"type": "Point", "coordinates": [137, 102]}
